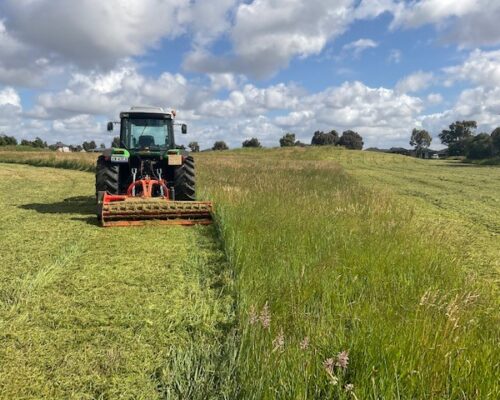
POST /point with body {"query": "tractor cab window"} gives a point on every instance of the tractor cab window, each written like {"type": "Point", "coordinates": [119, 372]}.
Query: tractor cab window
{"type": "Point", "coordinates": [141, 133]}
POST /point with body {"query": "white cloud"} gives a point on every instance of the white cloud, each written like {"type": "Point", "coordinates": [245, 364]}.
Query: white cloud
{"type": "Point", "coordinates": [478, 104]}
{"type": "Point", "coordinates": [434, 98]}
{"type": "Point", "coordinates": [90, 32]}
{"type": "Point", "coordinates": [481, 102]}
{"type": "Point", "coordinates": [279, 30]}
{"type": "Point", "coordinates": [8, 96]}
{"type": "Point", "coordinates": [223, 81]}
{"type": "Point", "coordinates": [252, 101]}
{"type": "Point", "coordinates": [10, 109]}
{"type": "Point", "coordinates": [107, 94]}
{"type": "Point", "coordinates": [481, 67]}
{"type": "Point", "coordinates": [80, 124]}
{"type": "Point", "coordinates": [378, 114]}
{"type": "Point", "coordinates": [360, 45]}
{"type": "Point", "coordinates": [415, 82]}
{"type": "Point", "coordinates": [209, 19]}
{"type": "Point", "coordinates": [20, 65]}
{"type": "Point", "coordinates": [469, 23]}
{"type": "Point", "coordinates": [466, 22]}
{"type": "Point", "coordinates": [295, 118]}
{"type": "Point", "coordinates": [373, 8]}
{"type": "Point", "coordinates": [417, 13]}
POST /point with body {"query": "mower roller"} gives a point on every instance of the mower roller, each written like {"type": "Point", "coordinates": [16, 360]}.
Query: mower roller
{"type": "Point", "coordinates": [148, 179]}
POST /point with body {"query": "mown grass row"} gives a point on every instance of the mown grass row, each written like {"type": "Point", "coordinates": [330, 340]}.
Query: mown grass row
{"type": "Point", "coordinates": [326, 267]}
{"type": "Point", "coordinates": [94, 313]}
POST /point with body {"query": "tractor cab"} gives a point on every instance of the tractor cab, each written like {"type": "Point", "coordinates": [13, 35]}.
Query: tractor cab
{"type": "Point", "coordinates": [147, 129]}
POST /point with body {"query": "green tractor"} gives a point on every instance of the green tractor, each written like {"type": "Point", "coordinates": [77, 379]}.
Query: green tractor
{"type": "Point", "coordinates": [148, 177]}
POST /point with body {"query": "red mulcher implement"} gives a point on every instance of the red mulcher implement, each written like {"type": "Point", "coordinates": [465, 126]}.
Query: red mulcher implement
{"type": "Point", "coordinates": [148, 179]}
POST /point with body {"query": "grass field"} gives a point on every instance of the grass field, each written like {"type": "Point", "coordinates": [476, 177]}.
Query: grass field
{"type": "Point", "coordinates": [359, 266]}
{"type": "Point", "coordinates": [92, 313]}
{"type": "Point", "coordinates": [387, 261]}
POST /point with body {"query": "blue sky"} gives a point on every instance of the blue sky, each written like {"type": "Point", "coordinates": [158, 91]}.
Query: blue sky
{"type": "Point", "coordinates": [239, 69]}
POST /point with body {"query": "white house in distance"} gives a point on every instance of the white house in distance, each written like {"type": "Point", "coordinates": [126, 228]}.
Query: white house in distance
{"type": "Point", "coordinates": [62, 148]}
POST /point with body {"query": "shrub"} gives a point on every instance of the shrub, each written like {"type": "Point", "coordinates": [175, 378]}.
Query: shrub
{"type": "Point", "coordinates": [478, 147]}
{"type": "Point", "coordinates": [351, 140]}
{"type": "Point", "coordinates": [325, 139]}
{"type": "Point", "coordinates": [287, 140]}
{"type": "Point", "coordinates": [7, 140]}
{"type": "Point", "coordinates": [253, 142]}
{"type": "Point", "coordinates": [220, 145]}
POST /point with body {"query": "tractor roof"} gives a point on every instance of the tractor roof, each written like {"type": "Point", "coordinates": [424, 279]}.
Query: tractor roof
{"type": "Point", "coordinates": [149, 110]}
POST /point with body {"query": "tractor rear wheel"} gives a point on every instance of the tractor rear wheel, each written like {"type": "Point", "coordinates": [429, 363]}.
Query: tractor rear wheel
{"type": "Point", "coordinates": [184, 181]}
{"type": "Point", "coordinates": [106, 177]}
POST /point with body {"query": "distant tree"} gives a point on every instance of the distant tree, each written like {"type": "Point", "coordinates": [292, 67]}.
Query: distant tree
{"type": "Point", "coordinates": [325, 139]}
{"type": "Point", "coordinates": [116, 142]}
{"type": "Point", "coordinates": [7, 140]}
{"type": "Point", "coordinates": [39, 143]}
{"type": "Point", "coordinates": [102, 146]}
{"type": "Point", "coordinates": [495, 139]}
{"type": "Point", "coordinates": [479, 146]}
{"type": "Point", "coordinates": [220, 145]}
{"type": "Point", "coordinates": [194, 146]}
{"type": "Point", "coordinates": [253, 142]}
{"type": "Point", "coordinates": [456, 136]}
{"type": "Point", "coordinates": [288, 140]}
{"type": "Point", "coordinates": [351, 140]}
{"type": "Point", "coordinates": [89, 146]}
{"type": "Point", "coordinates": [180, 147]}
{"type": "Point", "coordinates": [421, 140]}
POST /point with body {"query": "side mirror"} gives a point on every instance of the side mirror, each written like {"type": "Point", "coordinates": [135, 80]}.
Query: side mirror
{"type": "Point", "coordinates": [184, 129]}
{"type": "Point", "coordinates": [110, 126]}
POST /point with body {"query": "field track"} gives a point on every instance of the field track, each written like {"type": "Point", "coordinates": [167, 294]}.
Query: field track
{"type": "Point", "coordinates": [87, 312]}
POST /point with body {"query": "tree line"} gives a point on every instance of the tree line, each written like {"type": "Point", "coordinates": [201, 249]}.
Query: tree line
{"type": "Point", "coordinates": [349, 139]}
{"type": "Point", "coordinates": [39, 143]}
{"type": "Point", "coordinates": [461, 140]}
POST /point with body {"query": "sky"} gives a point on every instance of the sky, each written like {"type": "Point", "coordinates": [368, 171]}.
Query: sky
{"type": "Point", "coordinates": [237, 69]}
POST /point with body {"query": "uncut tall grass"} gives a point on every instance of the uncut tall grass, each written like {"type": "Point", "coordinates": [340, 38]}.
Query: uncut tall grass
{"type": "Point", "coordinates": [74, 161]}
{"type": "Point", "coordinates": [332, 266]}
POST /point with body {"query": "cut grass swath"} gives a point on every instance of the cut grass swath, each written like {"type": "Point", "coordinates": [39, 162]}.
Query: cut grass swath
{"type": "Point", "coordinates": [87, 312]}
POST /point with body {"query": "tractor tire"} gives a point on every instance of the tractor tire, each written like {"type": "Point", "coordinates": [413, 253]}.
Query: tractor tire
{"type": "Point", "coordinates": [106, 177]}
{"type": "Point", "coordinates": [184, 181]}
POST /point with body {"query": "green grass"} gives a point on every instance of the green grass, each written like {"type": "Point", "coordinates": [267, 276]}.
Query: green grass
{"type": "Point", "coordinates": [354, 268]}
{"type": "Point", "coordinates": [73, 161]}
{"type": "Point", "coordinates": [392, 259]}
{"type": "Point", "coordinates": [93, 313]}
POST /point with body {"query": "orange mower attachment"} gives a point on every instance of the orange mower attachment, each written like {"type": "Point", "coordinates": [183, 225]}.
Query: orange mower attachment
{"type": "Point", "coordinates": [132, 210]}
